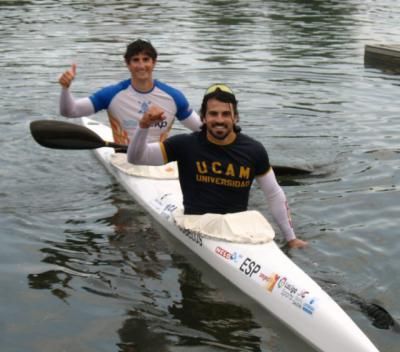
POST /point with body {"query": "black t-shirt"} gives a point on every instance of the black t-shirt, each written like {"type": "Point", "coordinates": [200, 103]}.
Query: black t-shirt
{"type": "Point", "coordinates": [216, 178]}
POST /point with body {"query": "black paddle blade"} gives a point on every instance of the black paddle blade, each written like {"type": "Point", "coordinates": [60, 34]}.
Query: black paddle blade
{"type": "Point", "coordinates": [65, 135]}
{"type": "Point", "coordinates": [290, 171]}
{"type": "Point", "coordinates": [380, 317]}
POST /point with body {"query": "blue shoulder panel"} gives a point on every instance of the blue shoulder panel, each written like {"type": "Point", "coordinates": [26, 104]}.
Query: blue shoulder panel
{"type": "Point", "coordinates": [102, 98]}
{"type": "Point", "coordinates": [182, 104]}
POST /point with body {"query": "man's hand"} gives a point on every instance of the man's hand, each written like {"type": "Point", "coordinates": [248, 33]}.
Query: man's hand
{"type": "Point", "coordinates": [297, 243]}
{"type": "Point", "coordinates": [67, 77]}
{"type": "Point", "coordinates": [151, 116]}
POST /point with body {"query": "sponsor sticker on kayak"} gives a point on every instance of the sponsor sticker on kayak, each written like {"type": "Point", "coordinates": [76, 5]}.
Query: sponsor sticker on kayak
{"type": "Point", "coordinates": [194, 236]}
{"type": "Point", "coordinates": [273, 282]}
{"type": "Point", "coordinates": [310, 306]}
{"type": "Point", "coordinates": [228, 255]}
{"type": "Point", "coordinates": [165, 206]}
{"type": "Point", "coordinates": [300, 298]}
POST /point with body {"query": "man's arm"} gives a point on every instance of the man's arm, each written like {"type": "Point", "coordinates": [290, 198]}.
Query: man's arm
{"type": "Point", "coordinates": [279, 208]}
{"type": "Point", "coordinates": [192, 122]}
{"type": "Point", "coordinates": [70, 107]}
{"type": "Point", "coordinates": [141, 152]}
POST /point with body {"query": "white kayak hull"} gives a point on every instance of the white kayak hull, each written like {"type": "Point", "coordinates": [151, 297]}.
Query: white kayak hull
{"type": "Point", "coordinates": [261, 271]}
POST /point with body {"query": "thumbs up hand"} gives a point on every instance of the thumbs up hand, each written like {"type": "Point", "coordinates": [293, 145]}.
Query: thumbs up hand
{"type": "Point", "coordinates": [67, 77]}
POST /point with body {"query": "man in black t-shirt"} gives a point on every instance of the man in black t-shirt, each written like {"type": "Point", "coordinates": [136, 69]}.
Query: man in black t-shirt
{"type": "Point", "coordinates": [216, 178]}
{"type": "Point", "coordinates": [217, 165]}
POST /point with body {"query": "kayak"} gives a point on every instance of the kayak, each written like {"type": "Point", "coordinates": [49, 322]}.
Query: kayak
{"type": "Point", "coordinates": [240, 247]}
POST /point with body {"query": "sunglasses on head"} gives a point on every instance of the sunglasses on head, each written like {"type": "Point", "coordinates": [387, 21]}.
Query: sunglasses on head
{"type": "Point", "coordinates": [220, 86]}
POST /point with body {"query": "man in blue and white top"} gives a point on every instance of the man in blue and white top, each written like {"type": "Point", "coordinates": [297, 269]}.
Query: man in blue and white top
{"type": "Point", "coordinates": [128, 100]}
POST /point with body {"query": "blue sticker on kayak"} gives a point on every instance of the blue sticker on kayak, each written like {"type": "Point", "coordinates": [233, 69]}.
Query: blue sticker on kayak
{"type": "Point", "coordinates": [310, 306]}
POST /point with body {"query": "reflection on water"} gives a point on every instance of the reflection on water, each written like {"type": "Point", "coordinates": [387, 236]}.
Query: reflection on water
{"type": "Point", "coordinates": [132, 266]}
{"type": "Point", "coordinates": [125, 265]}
{"type": "Point", "coordinates": [84, 268]}
{"type": "Point", "coordinates": [220, 320]}
{"type": "Point", "coordinates": [193, 320]}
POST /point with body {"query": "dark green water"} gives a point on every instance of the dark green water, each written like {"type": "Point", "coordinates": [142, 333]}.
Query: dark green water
{"type": "Point", "coordinates": [84, 268]}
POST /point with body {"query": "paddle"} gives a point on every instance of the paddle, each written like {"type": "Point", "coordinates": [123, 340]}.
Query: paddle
{"type": "Point", "coordinates": [64, 135]}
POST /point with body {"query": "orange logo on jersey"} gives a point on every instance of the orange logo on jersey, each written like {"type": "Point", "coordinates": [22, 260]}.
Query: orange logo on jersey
{"type": "Point", "coordinates": [119, 134]}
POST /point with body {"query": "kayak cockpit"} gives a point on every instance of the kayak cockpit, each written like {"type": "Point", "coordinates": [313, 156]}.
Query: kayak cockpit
{"type": "Point", "coordinates": [243, 227]}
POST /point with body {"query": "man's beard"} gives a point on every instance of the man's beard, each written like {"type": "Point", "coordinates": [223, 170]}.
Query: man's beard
{"type": "Point", "coordinates": [220, 135]}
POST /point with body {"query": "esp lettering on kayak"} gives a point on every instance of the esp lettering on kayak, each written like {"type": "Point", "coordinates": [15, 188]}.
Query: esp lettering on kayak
{"type": "Point", "coordinates": [249, 267]}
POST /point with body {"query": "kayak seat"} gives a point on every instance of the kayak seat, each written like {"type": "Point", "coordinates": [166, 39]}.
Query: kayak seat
{"type": "Point", "coordinates": [166, 171]}
{"type": "Point", "coordinates": [243, 227]}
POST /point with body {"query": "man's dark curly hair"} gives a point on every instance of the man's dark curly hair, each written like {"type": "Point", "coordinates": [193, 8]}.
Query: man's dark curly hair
{"type": "Point", "coordinates": [140, 46]}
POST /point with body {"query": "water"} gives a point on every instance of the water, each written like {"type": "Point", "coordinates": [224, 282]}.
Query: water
{"type": "Point", "coordinates": [85, 269]}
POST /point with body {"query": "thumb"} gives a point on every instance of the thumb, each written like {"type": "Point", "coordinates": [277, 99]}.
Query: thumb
{"type": "Point", "coordinates": [73, 69]}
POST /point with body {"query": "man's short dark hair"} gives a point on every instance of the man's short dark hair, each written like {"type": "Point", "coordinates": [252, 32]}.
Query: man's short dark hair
{"type": "Point", "coordinates": [140, 46]}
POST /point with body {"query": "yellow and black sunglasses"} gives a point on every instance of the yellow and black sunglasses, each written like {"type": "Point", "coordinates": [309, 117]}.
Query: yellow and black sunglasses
{"type": "Point", "coordinates": [220, 86]}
